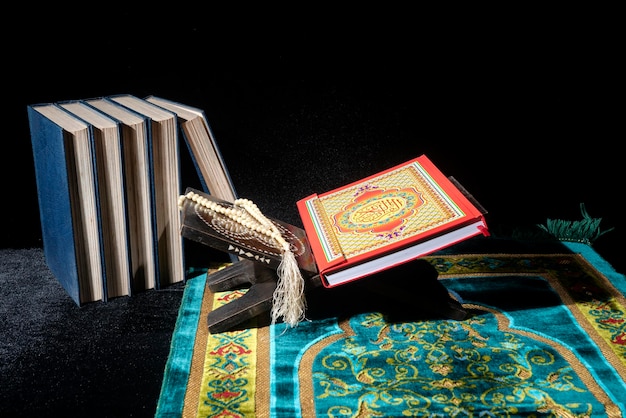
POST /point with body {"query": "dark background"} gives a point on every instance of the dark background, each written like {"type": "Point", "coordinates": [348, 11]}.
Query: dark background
{"type": "Point", "coordinates": [524, 107]}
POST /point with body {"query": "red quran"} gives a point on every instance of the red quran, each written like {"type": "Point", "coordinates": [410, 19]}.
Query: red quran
{"type": "Point", "coordinates": [387, 219]}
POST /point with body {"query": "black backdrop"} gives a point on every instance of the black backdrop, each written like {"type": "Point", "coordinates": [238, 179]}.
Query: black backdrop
{"type": "Point", "coordinates": [525, 114]}
{"type": "Point", "coordinates": [521, 106]}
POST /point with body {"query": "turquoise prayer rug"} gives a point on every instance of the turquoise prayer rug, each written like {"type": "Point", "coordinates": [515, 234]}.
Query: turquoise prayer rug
{"type": "Point", "coordinates": [545, 335]}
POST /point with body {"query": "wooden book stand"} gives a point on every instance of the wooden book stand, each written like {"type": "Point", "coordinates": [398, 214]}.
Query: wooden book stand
{"type": "Point", "coordinates": [257, 266]}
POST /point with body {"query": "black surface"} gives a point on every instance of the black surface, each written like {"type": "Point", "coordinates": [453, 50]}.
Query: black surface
{"type": "Point", "coordinates": [101, 360]}
{"type": "Point", "coordinates": [524, 114]}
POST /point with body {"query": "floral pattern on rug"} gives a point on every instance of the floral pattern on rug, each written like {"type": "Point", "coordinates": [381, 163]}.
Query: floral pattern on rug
{"type": "Point", "coordinates": [545, 336]}
{"type": "Point", "coordinates": [519, 352]}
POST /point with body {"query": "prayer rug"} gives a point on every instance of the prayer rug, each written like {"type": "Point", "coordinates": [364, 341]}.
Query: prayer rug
{"type": "Point", "coordinates": [545, 336]}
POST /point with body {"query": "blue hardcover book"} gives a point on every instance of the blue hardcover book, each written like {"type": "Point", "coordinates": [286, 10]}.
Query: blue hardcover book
{"type": "Point", "coordinates": [67, 190]}
{"type": "Point", "coordinates": [165, 186]}
{"type": "Point", "coordinates": [203, 149]}
{"type": "Point", "coordinates": [203, 152]}
{"type": "Point", "coordinates": [137, 172]}
{"type": "Point", "coordinates": [111, 191]}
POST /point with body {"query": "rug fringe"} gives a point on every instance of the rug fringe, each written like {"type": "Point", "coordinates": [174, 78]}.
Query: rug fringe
{"type": "Point", "coordinates": [586, 231]}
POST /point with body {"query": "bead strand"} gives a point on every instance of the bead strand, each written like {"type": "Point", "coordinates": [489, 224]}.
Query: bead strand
{"type": "Point", "coordinates": [272, 231]}
{"type": "Point", "coordinates": [243, 212]}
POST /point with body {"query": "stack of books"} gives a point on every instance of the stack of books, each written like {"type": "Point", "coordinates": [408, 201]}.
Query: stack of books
{"type": "Point", "coordinates": [108, 173]}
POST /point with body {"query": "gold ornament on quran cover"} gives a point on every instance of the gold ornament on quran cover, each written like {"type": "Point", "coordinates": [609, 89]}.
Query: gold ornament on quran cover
{"type": "Point", "coordinates": [352, 232]}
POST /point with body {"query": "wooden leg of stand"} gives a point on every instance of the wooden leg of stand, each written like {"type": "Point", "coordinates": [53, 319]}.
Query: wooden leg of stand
{"type": "Point", "coordinates": [257, 300]}
{"type": "Point", "coordinates": [240, 274]}
{"type": "Point", "coordinates": [262, 282]}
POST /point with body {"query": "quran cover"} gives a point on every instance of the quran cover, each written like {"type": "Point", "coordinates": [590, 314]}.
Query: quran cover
{"type": "Point", "coordinates": [387, 219]}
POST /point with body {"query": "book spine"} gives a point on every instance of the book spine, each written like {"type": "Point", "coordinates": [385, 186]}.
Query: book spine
{"type": "Point", "coordinates": [53, 187]}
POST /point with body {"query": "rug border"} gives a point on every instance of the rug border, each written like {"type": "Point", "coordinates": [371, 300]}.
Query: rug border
{"type": "Point", "coordinates": [600, 264]}
{"type": "Point", "coordinates": [178, 366]}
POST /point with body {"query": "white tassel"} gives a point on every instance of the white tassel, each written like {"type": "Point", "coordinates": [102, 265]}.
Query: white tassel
{"type": "Point", "coordinates": [289, 301]}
